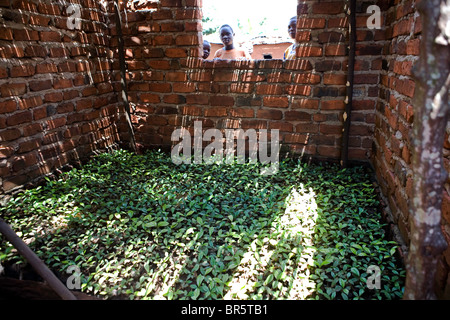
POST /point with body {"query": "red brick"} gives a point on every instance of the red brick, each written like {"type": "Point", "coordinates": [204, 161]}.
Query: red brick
{"type": "Point", "coordinates": [31, 102]}
{"type": "Point", "coordinates": [330, 128]}
{"type": "Point", "coordinates": [13, 89]}
{"type": "Point", "coordinates": [176, 53]}
{"type": "Point", "coordinates": [333, 105]}
{"type": "Point", "coordinates": [328, 151]}
{"type": "Point", "coordinates": [22, 71]}
{"type": "Point", "coordinates": [446, 206]}
{"type": "Point", "coordinates": [39, 20]}
{"type": "Point", "coordinates": [297, 116]}
{"type": "Point", "coordinates": [149, 98]}
{"type": "Point", "coordinates": [188, 14]}
{"type": "Point", "coordinates": [405, 87]}
{"type": "Point", "coordinates": [6, 33]}
{"type": "Point", "coordinates": [3, 72]}
{"type": "Point", "coordinates": [242, 87]}
{"type": "Point", "coordinates": [242, 113]}
{"type": "Point", "coordinates": [197, 99]}
{"type": "Point", "coordinates": [53, 97]}
{"type": "Point", "coordinates": [366, 78]}
{"type": "Point", "coordinates": [176, 76]}
{"type": "Point", "coordinates": [193, 26]}
{"type": "Point", "coordinates": [58, 52]}
{"type": "Point", "coordinates": [156, 120]}
{"type": "Point", "coordinates": [71, 94]}
{"type": "Point", "coordinates": [295, 138]}
{"type": "Point", "coordinates": [191, 110]}
{"type": "Point", "coordinates": [6, 152]}
{"type": "Point", "coordinates": [403, 27]}
{"type": "Point", "coordinates": [413, 47]}
{"type": "Point", "coordinates": [39, 113]}
{"type": "Point", "coordinates": [40, 85]}
{"type": "Point", "coordinates": [298, 90]}
{"type": "Point", "coordinates": [8, 106]}
{"type": "Point", "coordinates": [56, 123]}
{"type": "Point", "coordinates": [67, 66]}
{"type": "Point", "coordinates": [305, 104]}
{"type": "Point", "coordinates": [254, 124]}
{"type": "Point", "coordinates": [307, 128]}
{"type": "Point", "coordinates": [187, 40]}
{"type": "Point", "coordinates": [360, 130]}
{"type": "Point", "coordinates": [269, 114]}
{"type": "Point", "coordinates": [320, 117]}
{"type": "Point", "coordinates": [335, 50]}
{"type": "Point", "coordinates": [253, 77]}
{"type": "Point", "coordinates": [297, 64]}
{"type": "Point", "coordinates": [216, 112]}
{"type": "Point", "coordinates": [11, 51]}
{"type": "Point", "coordinates": [310, 23]}
{"type": "Point", "coordinates": [160, 64]}
{"type": "Point", "coordinates": [46, 68]}
{"type": "Point", "coordinates": [330, 8]}
{"type": "Point", "coordinates": [279, 77]}
{"type": "Point", "coordinates": [225, 101]}
{"type": "Point", "coordinates": [89, 91]}
{"type": "Point", "coordinates": [174, 99]}
{"type": "Point", "coordinates": [25, 35]}
{"type": "Point", "coordinates": [334, 79]}
{"type": "Point", "coordinates": [282, 126]}
{"type": "Point", "coordinates": [306, 78]}
{"type": "Point", "coordinates": [84, 104]}
{"type": "Point", "coordinates": [279, 102]}
{"type": "Point", "coordinates": [171, 3]}
{"type": "Point", "coordinates": [184, 87]}
{"type": "Point", "coordinates": [19, 118]}
{"type": "Point", "coordinates": [403, 67]}
{"type": "Point", "coordinates": [50, 36]}
{"type": "Point", "coordinates": [62, 83]}
{"type": "Point", "coordinates": [10, 134]}
{"type": "Point", "coordinates": [139, 86]}
{"type": "Point", "coordinates": [28, 146]}
{"type": "Point", "coordinates": [309, 51]}
{"type": "Point", "coordinates": [269, 89]}
{"type": "Point", "coordinates": [50, 9]}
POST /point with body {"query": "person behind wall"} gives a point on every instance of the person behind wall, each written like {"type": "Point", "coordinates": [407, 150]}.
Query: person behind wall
{"type": "Point", "coordinates": [290, 52]}
{"type": "Point", "coordinates": [229, 51]}
{"type": "Point", "coordinates": [206, 49]}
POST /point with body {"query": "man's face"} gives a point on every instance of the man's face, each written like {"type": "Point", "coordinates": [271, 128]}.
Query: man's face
{"type": "Point", "coordinates": [292, 28]}
{"type": "Point", "coordinates": [206, 50]}
{"type": "Point", "coordinates": [226, 35]}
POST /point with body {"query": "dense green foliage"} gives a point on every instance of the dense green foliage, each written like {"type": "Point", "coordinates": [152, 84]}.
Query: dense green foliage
{"type": "Point", "coordinates": [141, 227]}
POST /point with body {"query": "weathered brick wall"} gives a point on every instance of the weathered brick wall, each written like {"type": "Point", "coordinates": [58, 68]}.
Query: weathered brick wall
{"type": "Point", "coordinates": [394, 120]}
{"type": "Point", "coordinates": [60, 89]}
{"type": "Point", "coordinates": [170, 87]}
{"type": "Point", "coordinates": [57, 98]}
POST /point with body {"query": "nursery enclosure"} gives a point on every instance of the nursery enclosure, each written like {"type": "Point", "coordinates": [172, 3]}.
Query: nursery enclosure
{"type": "Point", "coordinates": [91, 90]}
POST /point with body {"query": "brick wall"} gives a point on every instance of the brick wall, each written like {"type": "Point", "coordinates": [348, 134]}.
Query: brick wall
{"type": "Point", "coordinates": [170, 87]}
{"type": "Point", "coordinates": [60, 101]}
{"type": "Point", "coordinates": [57, 98]}
{"type": "Point", "coordinates": [394, 120]}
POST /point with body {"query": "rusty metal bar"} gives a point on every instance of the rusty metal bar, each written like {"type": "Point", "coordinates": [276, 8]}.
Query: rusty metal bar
{"type": "Point", "coordinates": [350, 81]}
{"type": "Point", "coordinates": [37, 263]}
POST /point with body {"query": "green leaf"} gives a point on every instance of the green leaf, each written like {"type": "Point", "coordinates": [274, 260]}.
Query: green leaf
{"type": "Point", "coordinates": [199, 280]}
{"type": "Point", "coordinates": [355, 271]}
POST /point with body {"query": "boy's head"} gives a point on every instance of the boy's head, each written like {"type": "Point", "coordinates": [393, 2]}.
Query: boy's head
{"type": "Point", "coordinates": [226, 36]}
{"type": "Point", "coordinates": [206, 49]}
{"type": "Point", "coordinates": [292, 27]}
